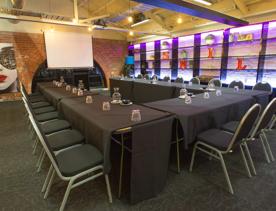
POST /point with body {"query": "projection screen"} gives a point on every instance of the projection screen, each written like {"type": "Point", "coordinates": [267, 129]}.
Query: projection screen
{"type": "Point", "coordinates": [68, 50]}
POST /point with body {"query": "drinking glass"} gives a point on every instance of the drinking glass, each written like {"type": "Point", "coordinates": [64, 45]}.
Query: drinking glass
{"type": "Point", "coordinates": [218, 92]}
{"type": "Point", "coordinates": [136, 115]}
{"type": "Point", "coordinates": [81, 85]}
{"type": "Point", "coordinates": [236, 89]}
{"type": "Point", "coordinates": [116, 96]}
{"type": "Point", "coordinates": [190, 83]}
{"type": "Point", "coordinates": [183, 92]}
{"type": "Point", "coordinates": [211, 85]}
{"type": "Point", "coordinates": [106, 106]}
{"type": "Point", "coordinates": [206, 95]}
{"type": "Point", "coordinates": [68, 88]}
{"type": "Point", "coordinates": [80, 92]}
{"type": "Point", "coordinates": [188, 100]}
{"type": "Point", "coordinates": [74, 90]}
{"type": "Point", "coordinates": [89, 99]}
{"type": "Point", "coordinates": [61, 79]}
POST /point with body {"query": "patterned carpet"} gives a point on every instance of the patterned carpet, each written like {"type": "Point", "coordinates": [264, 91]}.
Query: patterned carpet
{"type": "Point", "coordinates": [204, 189]}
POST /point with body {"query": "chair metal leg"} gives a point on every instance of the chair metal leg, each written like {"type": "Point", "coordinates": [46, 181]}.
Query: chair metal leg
{"type": "Point", "coordinates": [35, 146]}
{"type": "Point", "coordinates": [47, 179]}
{"type": "Point", "coordinates": [35, 142]}
{"type": "Point", "coordinates": [273, 122]}
{"type": "Point", "coordinates": [245, 162]}
{"type": "Point", "coordinates": [193, 158]}
{"type": "Point", "coordinates": [39, 158]}
{"type": "Point", "coordinates": [268, 147]}
{"type": "Point", "coordinates": [49, 185]}
{"type": "Point", "coordinates": [250, 158]}
{"type": "Point", "coordinates": [41, 162]}
{"type": "Point", "coordinates": [108, 188]}
{"type": "Point", "coordinates": [121, 166]}
{"type": "Point", "coordinates": [264, 148]}
{"type": "Point", "coordinates": [226, 173]}
{"type": "Point", "coordinates": [177, 156]}
{"type": "Point", "coordinates": [69, 187]}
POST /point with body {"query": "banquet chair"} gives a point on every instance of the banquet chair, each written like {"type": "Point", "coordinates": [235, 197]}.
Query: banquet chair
{"type": "Point", "coordinates": [154, 77]}
{"type": "Point", "coordinates": [147, 77]}
{"type": "Point", "coordinates": [216, 82]}
{"type": "Point", "coordinates": [273, 121]}
{"type": "Point", "coordinates": [76, 166]}
{"type": "Point", "coordinates": [263, 86]}
{"type": "Point", "coordinates": [179, 80]}
{"type": "Point", "coordinates": [217, 143]}
{"type": "Point", "coordinates": [236, 83]}
{"type": "Point", "coordinates": [139, 76]}
{"type": "Point", "coordinates": [262, 127]}
{"type": "Point", "coordinates": [166, 78]}
{"type": "Point", "coordinates": [195, 80]}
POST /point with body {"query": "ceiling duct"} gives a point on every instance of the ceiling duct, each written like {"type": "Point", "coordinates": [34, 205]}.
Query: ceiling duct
{"type": "Point", "coordinates": [139, 18]}
{"type": "Point", "coordinates": [18, 4]}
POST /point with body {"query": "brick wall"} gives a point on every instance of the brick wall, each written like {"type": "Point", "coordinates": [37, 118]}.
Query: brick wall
{"type": "Point", "coordinates": [30, 53]}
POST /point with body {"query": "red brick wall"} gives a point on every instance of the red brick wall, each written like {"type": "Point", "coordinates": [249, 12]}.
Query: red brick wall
{"type": "Point", "coordinates": [110, 55]}
{"type": "Point", "coordinates": [30, 53]}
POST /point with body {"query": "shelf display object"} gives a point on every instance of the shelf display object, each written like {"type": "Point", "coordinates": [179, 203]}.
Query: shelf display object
{"type": "Point", "coordinates": [243, 55]}
{"type": "Point", "coordinates": [269, 72]}
{"type": "Point", "coordinates": [185, 57]}
{"type": "Point", "coordinates": [137, 60]}
{"type": "Point", "coordinates": [210, 54]}
{"type": "Point", "coordinates": [150, 58]}
{"type": "Point", "coordinates": [166, 58]}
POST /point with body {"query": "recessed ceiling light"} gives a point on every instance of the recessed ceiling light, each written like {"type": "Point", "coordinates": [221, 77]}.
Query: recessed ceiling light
{"type": "Point", "coordinates": [74, 20]}
{"type": "Point", "coordinates": [203, 2]}
{"type": "Point", "coordinates": [89, 29]}
{"type": "Point", "coordinates": [130, 19]}
{"type": "Point", "coordinates": [179, 20]}
{"type": "Point", "coordinates": [131, 33]}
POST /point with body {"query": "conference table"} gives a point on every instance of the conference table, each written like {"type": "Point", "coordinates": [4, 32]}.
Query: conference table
{"type": "Point", "coordinates": [149, 153]}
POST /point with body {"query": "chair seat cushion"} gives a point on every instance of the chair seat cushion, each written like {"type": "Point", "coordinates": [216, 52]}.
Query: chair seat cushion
{"type": "Point", "coordinates": [230, 126]}
{"type": "Point", "coordinates": [54, 126]}
{"type": "Point", "coordinates": [64, 139]}
{"type": "Point", "coordinates": [47, 116]}
{"type": "Point", "coordinates": [217, 138]}
{"type": "Point", "coordinates": [35, 94]}
{"type": "Point", "coordinates": [78, 159]}
{"type": "Point", "coordinates": [36, 99]}
{"type": "Point", "coordinates": [40, 104]}
{"type": "Point", "coordinates": [44, 110]}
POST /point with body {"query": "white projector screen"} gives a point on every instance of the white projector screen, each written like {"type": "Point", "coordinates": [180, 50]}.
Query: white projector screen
{"type": "Point", "coordinates": [68, 50]}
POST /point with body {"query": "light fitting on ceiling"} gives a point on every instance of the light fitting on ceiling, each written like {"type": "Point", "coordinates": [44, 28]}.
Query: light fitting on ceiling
{"type": "Point", "coordinates": [90, 29]}
{"type": "Point", "coordinates": [74, 20]}
{"type": "Point", "coordinates": [131, 33]}
{"type": "Point", "coordinates": [52, 29]}
{"type": "Point", "coordinates": [179, 20]}
{"type": "Point", "coordinates": [130, 19]}
{"type": "Point", "coordinates": [141, 22]}
{"type": "Point", "coordinates": [203, 2]}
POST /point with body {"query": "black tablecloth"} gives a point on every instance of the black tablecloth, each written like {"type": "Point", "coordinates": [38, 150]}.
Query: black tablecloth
{"type": "Point", "coordinates": [151, 145]}
{"type": "Point", "coordinates": [125, 86]}
{"type": "Point", "coordinates": [204, 114]}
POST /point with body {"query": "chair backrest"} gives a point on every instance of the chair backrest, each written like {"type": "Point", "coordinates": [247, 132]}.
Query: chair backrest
{"type": "Point", "coordinates": [154, 77]}
{"type": "Point", "coordinates": [262, 86]}
{"type": "Point", "coordinates": [139, 76]}
{"type": "Point", "coordinates": [166, 78]}
{"type": "Point", "coordinates": [195, 80]}
{"type": "Point", "coordinates": [179, 80]}
{"type": "Point", "coordinates": [147, 77]}
{"type": "Point", "coordinates": [245, 126]}
{"type": "Point", "coordinates": [215, 82]}
{"type": "Point", "coordinates": [236, 83]}
{"type": "Point", "coordinates": [265, 119]}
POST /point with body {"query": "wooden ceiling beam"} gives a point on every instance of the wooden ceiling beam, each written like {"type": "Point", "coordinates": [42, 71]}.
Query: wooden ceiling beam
{"type": "Point", "coordinates": [241, 6]}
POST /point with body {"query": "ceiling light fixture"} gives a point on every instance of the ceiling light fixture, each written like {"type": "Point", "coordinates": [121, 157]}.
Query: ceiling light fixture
{"type": "Point", "coordinates": [131, 33]}
{"type": "Point", "coordinates": [141, 22]}
{"type": "Point", "coordinates": [74, 20]}
{"type": "Point", "coordinates": [203, 2]}
{"type": "Point", "coordinates": [52, 29]}
{"type": "Point", "coordinates": [179, 20]}
{"type": "Point", "coordinates": [130, 19]}
{"type": "Point", "coordinates": [89, 29]}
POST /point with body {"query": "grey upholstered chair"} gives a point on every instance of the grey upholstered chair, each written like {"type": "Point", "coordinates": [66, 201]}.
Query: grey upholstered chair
{"type": "Point", "coordinates": [216, 82]}
{"type": "Point", "coordinates": [239, 84]}
{"type": "Point", "coordinates": [154, 77]}
{"type": "Point", "coordinates": [263, 86]}
{"type": "Point", "coordinates": [166, 78]}
{"type": "Point", "coordinates": [195, 80]}
{"type": "Point", "coordinates": [217, 143]}
{"type": "Point", "coordinates": [147, 77]}
{"type": "Point", "coordinates": [139, 76]}
{"type": "Point", "coordinates": [263, 126]}
{"type": "Point", "coordinates": [179, 80]}
{"type": "Point", "coordinates": [76, 165]}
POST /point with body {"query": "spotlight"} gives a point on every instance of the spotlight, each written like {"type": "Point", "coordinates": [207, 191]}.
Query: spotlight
{"type": "Point", "coordinates": [131, 33]}
{"type": "Point", "coordinates": [74, 20]}
{"type": "Point", "coordinates": [89, 29]}
{"type": "Point", "coordinates": [179, 20]}
{"type": "Point", "coordinates": [130, 19]}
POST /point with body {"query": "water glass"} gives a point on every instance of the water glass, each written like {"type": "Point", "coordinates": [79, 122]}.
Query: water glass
{"type": "Point", "coordinates": [89, 99]}
{"type": "Point", "coordinates": [136, 115]}
{"type": "Point", "coordinates": [218, 92]}
{"type": "Point", "coordinates": [183, 92]}
{"type": "Point", "coordinates": [74, 90]}
{"type": "Point", "coordinates": [68, 88]}
{"type": "Point", "coordinates": [188, 100]}
{"type": "Point", "coordinates": [190, 83]}
{"type": "Point", "coordinates": [80, 92]}
{"type": "Point", "coordinates": [106, 106]}
{"type": "Point", "coordinates": [206, 95]}
{"type": "Point", "coordinates": [236, 89]}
